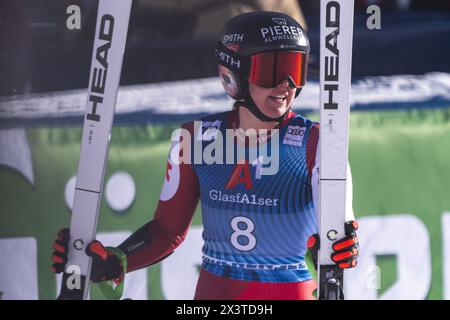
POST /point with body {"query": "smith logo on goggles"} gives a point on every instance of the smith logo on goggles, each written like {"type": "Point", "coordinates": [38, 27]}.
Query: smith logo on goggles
{"type": "Point", "coordinates": [229, 60]}
{"type": "Point", "coordinates": [266, 69]}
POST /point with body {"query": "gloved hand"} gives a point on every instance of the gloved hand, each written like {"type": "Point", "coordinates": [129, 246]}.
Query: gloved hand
{"type": "Point", "coordinates": [345, 251]}
{"type": "Point", "coordinates": [105, 265]}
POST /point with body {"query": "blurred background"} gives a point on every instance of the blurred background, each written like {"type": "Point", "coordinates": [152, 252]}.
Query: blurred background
{"type": "Point", "coordinates": [399, 143]}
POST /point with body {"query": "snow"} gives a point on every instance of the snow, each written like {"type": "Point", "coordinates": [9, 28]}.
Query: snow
{"type": "Point", "coordinates": [207, 96]}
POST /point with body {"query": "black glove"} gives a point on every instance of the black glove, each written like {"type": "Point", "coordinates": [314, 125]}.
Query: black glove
{"type": "Point", "coordinates": [105, 265]}
{"type": "Point", "coordinates": [345, 251]}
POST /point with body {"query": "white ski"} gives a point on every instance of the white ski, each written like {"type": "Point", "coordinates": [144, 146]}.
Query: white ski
{"type": "Point", "coordinates": [336, 34]}
{"type": "Point", "coordinates": [109, 45]}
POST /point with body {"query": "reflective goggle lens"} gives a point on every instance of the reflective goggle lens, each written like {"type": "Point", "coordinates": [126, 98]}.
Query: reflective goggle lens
{"type": "Point", "coordinates": [269, 69]}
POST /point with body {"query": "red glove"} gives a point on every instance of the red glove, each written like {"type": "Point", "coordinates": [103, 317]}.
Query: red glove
{"type": "Point", "coordinates": [59, 256]}
{"type": "Point", "coordinates": [105, 265]}
{"type": "Point", "coordinates": [345, 251]}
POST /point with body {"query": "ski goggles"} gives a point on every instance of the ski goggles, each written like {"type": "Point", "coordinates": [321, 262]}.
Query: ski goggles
{"type": "Point", "coordinates": [269, 69]}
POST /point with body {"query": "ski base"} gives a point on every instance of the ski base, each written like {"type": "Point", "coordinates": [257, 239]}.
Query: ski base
{"type": "Point", "coordinates": [76, 293]}
{"type": "Point", "coordinates": [331, 283]}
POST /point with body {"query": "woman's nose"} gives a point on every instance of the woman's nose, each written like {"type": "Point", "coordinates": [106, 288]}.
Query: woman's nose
{"type": "Point", "coordinates": [284, 83]}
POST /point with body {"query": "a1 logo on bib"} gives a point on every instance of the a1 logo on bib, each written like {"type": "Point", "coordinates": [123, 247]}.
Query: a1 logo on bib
{"type": "Point", "coordinates": [294, 136]}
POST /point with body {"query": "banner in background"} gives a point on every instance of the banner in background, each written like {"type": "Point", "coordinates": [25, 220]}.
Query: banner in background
{"type": "Point", "coordinates": [401, 176]}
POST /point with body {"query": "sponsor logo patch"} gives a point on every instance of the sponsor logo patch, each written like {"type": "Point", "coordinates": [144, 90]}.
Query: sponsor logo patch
{"type": "Point", "coordinates": [279, 21]}
{"type": "Point", "coordinates": [232, 38]}
{"type": "Point", "coordinates": [332, 235]}
{"type": "Point", "coordinates": [294, 136]}
{"type": "Point", "coordinates": [280, 30]}
{"type": "Point", "coordinates": [78, 244]}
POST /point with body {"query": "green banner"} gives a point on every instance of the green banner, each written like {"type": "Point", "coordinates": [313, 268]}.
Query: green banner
{"type": "Point", "coordinates": [401, 177]}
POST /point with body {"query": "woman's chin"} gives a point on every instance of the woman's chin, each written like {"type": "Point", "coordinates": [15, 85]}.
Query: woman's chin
{"type": "Point", "coordinates": [276, 112]}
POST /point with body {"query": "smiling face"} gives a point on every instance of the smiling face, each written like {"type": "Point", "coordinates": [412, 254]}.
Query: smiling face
{"type": "Point", "coordinates": [273, 102]}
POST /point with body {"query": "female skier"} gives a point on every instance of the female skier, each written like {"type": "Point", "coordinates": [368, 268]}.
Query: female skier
{"type": "Point", "coordinates": [259, 208]}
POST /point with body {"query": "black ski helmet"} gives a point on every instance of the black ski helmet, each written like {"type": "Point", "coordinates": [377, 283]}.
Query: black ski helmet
{"type": "Point", "coordinates": [249, 34]}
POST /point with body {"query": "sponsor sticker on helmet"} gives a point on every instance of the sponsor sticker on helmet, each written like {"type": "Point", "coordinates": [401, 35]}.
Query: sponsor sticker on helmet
{"type": "Point", "coordinates": [280, 21]}
{"type": "Point", "coordinates": [281, 31]}
{"type": "Point", "coordinates": [232, 38]}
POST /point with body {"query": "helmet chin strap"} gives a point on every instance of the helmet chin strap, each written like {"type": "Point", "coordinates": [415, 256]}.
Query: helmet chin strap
{"type": "Point", "coordinates": [253, 108]}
